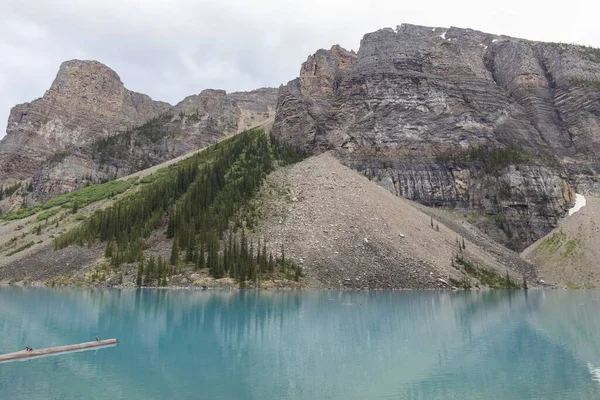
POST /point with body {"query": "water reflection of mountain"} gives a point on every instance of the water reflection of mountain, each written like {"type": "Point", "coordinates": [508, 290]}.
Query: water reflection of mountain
{"type": "Point", "coordinates": [227, 344]}
{"type": "Point", "coordinates": [570, 319]}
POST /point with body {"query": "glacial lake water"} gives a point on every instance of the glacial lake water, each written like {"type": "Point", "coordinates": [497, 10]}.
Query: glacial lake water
{"type": "Point", "coordinates": [303, 345]}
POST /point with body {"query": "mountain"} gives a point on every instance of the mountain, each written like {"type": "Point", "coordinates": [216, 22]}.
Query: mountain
{"type": "Point", "coordinates": [89, 128]}
{"type": "Point", "coordinates": [87, 101]}
{"type": "Point", "coordinates": [248, 211]}
{"type": "Point", "coordinates": [429, 158]}
{"type": "Point", "coordinates": [505, 128]}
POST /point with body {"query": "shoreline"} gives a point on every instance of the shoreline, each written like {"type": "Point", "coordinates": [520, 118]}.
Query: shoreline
{"type": "Point", "coordinates": [298, 288]}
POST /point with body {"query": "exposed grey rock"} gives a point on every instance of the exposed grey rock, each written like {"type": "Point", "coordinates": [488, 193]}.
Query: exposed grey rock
{"type": "Point", "coordinates": [518, 204]}
{"type": "Point", "coordinates": [88, 128]}
{"type": "Point", "coordinates": [196, 122]}
{"type": "Point", "coordinates": [87, 101]}
{"type": "Point", "coordinates": [414, 93]}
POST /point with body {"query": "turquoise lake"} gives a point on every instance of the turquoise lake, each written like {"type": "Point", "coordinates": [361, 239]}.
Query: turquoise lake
{"type": "Point", "coordinates": [303, 345]}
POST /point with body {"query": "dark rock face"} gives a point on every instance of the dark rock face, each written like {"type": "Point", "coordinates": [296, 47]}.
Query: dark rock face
{"type": "Point", "coordinates": [415, 93]}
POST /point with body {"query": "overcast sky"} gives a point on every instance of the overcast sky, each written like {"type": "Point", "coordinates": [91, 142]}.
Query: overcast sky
{"type": "Point", "coordinates": [170, 49]}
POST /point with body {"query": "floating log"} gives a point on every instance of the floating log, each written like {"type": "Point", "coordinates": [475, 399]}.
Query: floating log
{"type": "Point", "coordinates": [24, 354]}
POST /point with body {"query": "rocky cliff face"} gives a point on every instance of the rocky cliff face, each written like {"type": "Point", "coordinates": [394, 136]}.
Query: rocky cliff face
{"type": "Point", "coordinates": [89, 128]}
{"type": "Point", "coordinates": [87, 101]}
{"type": "Point", "coordinates": [195, 122]}
{"type": "Point", "coordinates": [411, 96]}
{"type": "Point", "coordinates": [515, 205]}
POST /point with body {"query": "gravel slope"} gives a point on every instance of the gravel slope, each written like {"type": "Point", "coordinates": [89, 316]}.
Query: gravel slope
{"type": "Point", "coordinates": [345, 230]}
{"type": "Point", "coordinates": [350, 232]}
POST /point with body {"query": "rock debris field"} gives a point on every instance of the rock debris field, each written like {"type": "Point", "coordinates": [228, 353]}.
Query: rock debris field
{"type": "Point", "coordinates": [349, 232]}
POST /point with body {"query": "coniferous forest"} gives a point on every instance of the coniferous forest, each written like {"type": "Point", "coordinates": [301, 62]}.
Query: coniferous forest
{"type": "Point", "coordinates": [202, 203]}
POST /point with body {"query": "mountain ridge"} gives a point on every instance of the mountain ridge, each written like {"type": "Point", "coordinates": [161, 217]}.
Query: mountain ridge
{"type": "Point", "coordinates": [409, 107]}
{"type": "Point", "coordinates": [501, 131]}
{"type": "Point", "coordinates": [53, 144]}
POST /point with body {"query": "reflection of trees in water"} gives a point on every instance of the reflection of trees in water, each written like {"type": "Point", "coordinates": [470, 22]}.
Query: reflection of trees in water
{"type": "Point", "coordinates": [481, 310]}
{"type": "Point", "coordinates": [570, 318]}
{"type": "Point", "coordinates": [513, 362]}
{"type": "Point", "coordinates": [314, 344]}
{"type": "Point", "coordinates": [521, 361]}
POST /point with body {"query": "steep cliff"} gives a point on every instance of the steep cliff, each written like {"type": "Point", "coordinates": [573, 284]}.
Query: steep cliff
{"type": "Point", "coordinates": [87, 101]}
{"type": "Point", "coordinates": [411, 104]}
{"type": "Point", "coordinates": [88, 128]}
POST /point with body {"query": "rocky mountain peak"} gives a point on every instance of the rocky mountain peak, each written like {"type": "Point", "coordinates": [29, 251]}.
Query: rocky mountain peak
{"type": "Point", "coordinates": [87, 101]}
{"type": "Point", "coordinates": [205, 102]}
{"type": "Point", "coordinates": [413, 95]}
{"type": "Point", "coordinates": [321, 72]}
{"type": "Point", "coordinates": [84, 77]}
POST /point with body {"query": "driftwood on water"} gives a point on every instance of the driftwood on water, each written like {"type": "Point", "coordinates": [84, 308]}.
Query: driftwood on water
{"type": "Point", "coordinates": [23, 354]}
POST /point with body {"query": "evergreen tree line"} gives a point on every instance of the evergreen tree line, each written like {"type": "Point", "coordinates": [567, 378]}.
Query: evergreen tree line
{"type": "Point", "coordinates": [117, 146]}
{"type": "Point", "coordinates": [198, 199]}
{"type": "Point", "coordinates": [223, 189]}
{"type": "Point", "coordinates": [286, 153]}
{"type": "Point", "coordinates": [243, 261]}
{"type": "Point", "coordinates": [493, 159]}
{"type": "Point", "coordinates": [153, 272]}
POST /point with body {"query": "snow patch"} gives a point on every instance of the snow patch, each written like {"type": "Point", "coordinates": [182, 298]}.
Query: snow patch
{"type": "Point", "coordinates": [432, 29]}
{"type": "Point", "coordinates": [495, 40]}
{"type": "Point", "coordinates": [483, 45]}
{"type": "Point", "coordinates": [579, 203]}
{"type": "Point", "coordinates": [443, 35]}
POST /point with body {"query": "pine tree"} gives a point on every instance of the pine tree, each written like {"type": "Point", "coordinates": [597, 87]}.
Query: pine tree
{"type": "Point", "coordinates": [171, 224]}
{"type": "Point", "coordinates": [258, 253]}
{"type": "Point", "coordinates": [220, 268]}
{"type": "Point", "coordinates": [271, 263]}
{"type": "Point", "coordinates": [175, 252]}
{"type": "Point", "coordinates": [164, 266]}
{"type": "Point", "coordinates": [263, 258]}
{"type": "Point", "coordinates": [189, 252]}
{"type": "Point", "coordinates": [213, 254]}
{"type": "Point", "coordinates": [150, 271]}
{"type": "Point", "coordinates": [140, 273]}
{"type": "Point", "coordinates": [282, 259]}
{"type": "Point", "coordinates": [201, 257]}
{"type": "Point", "coordinates": [108, 251]}
{"type": "Point", "coordinates": [297, 273]}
